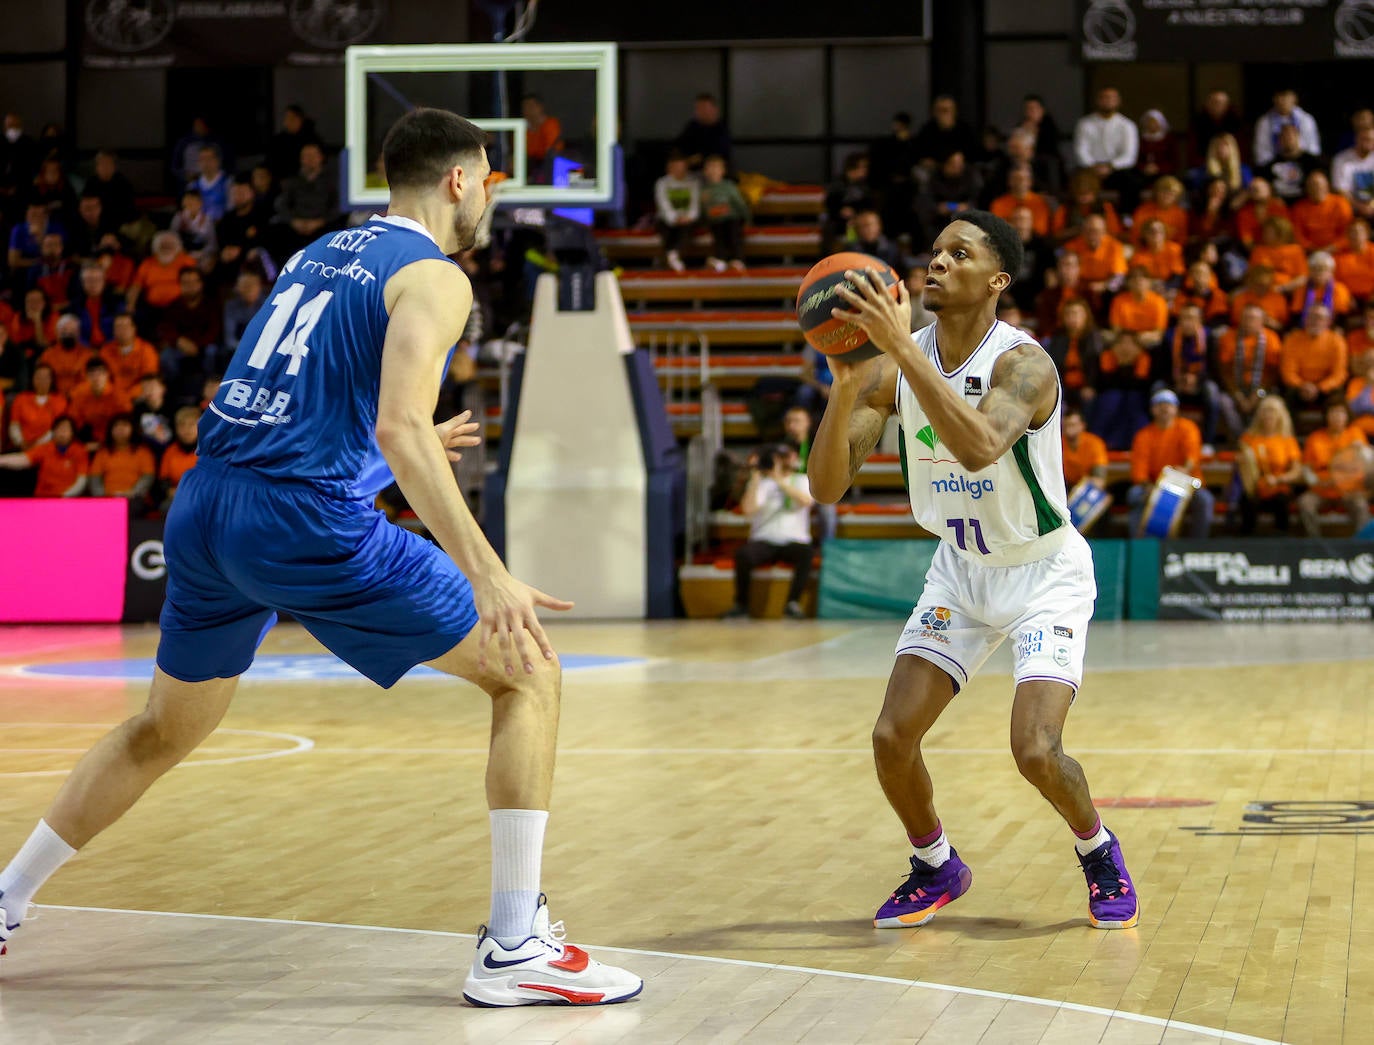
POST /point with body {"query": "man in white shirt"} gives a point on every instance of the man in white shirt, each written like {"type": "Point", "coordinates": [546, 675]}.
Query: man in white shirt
{"type": "Point", "coordinates": [778, 502]}
{"type": "Point", "coordinates": [1271, 124]}
{"type": "Point", "coordinates": [1107, 143]}
{"type": "Point", "coordinates": [1352, 173]}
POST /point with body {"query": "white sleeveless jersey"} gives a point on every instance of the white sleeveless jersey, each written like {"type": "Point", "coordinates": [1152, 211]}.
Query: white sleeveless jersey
{"type": "Point", "coordinates": [1014, 511]}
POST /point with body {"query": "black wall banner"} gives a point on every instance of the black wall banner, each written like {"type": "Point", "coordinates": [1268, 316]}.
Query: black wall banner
{"type": "Point", "coordinates": [119, 34]}
{"type": "Point", "coordinates": [1206, 30]}
{"type": "Point", "coordinates": [145, 581]}
{"type": "Point", "coordinates": [1286, 579]}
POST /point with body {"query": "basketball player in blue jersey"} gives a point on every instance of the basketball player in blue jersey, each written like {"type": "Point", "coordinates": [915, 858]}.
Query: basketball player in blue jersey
{"type": "Point", "coordinates": [330, 394]}
{"type": "Point", "coordinates": [979, 405]}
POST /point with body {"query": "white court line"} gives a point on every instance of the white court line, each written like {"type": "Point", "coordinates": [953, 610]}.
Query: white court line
{"type": "Point", "coordinates": [299, 745]}
{"type": "Point", "coordinates": [1024, 999]}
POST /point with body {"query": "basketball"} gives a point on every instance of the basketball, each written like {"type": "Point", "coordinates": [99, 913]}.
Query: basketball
{"type": "Point", "coordinates": [817, 296]}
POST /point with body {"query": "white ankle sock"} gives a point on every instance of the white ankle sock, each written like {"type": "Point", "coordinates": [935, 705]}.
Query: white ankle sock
{"type": "Point", "coordinates": [934, 854]}
{"type": "Point", "coordinates": [517, 847]}
{"type": "Point", "coordinates": [33, 865]}
{"type": "Point", "coordinates": [1087, 845]}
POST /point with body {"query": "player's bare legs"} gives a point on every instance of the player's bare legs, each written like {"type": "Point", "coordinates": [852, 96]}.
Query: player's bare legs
{"type": "Point", "coordinates": [917, 693]}
{"type": "Point", "coordinates": [524, 724]}
{"type": "Point", "coordinates": [520, 960]}
{"type": "Point", "coordinates": [1037, 728]}
{"type": "Point", "coordinates": [110, 778]}
{"type": "Point", "coordinates": [125, 762]}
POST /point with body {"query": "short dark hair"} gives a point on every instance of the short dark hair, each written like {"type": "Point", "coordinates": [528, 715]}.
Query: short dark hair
{"type": "Point", "coordinates": [1000, 236]}
{"type": "Point", "coordinates": [97, 364]}
{"type": "Point", "coordinates": [903, 117]}
{"type": "Point", "coordinates": [707, 96]}
{"type": "Point", "coordinates": [424, 143]}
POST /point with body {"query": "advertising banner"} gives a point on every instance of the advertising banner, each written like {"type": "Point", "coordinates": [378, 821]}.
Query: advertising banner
{"type": "Point", "coordinates": [145, 581]}
{"type": "Point", "coordinates": [117, 34]}
{"type": "Point", "coordinates": [63, 559]}
{"type": "Point", "coordinates": [1285, 579]}
{"type": "Point", "coordinates": [1203, 30]}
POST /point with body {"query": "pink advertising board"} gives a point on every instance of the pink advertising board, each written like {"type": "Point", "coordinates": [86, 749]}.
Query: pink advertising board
{"type": "Point", "coordinates": [63, 559]}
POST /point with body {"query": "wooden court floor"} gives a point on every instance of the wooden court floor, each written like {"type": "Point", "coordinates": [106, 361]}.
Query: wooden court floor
{"type": "Point", "coordinates": [316, 873]}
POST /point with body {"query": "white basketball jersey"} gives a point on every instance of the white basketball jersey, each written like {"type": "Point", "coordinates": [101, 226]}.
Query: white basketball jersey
{"type": "Point", "coordinates": [1014, 511]}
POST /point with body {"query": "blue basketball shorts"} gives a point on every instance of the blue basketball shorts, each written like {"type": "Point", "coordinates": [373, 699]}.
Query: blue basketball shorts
{"type": "Point", "coordinates": [241, 547]}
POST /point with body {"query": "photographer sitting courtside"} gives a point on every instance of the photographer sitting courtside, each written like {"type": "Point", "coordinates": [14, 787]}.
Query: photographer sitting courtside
{"type": "Point", "coordinates": [777, 500]}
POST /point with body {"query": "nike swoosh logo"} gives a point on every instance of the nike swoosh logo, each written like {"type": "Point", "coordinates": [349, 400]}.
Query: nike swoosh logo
{"type": "Point", "coordinates": [491, 963]}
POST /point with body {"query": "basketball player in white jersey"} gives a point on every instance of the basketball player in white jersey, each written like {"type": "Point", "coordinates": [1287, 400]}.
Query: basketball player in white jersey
{"type": "Point", "coordinates": [979, 406]}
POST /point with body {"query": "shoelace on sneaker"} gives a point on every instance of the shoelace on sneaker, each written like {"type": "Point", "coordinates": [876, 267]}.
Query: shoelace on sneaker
{"type": "Point", "coordinates": [1104, 880]}
{"type": "Point", "coordinates": [915, 884]}
{"type": "Point", "coordinates": [553, 940]}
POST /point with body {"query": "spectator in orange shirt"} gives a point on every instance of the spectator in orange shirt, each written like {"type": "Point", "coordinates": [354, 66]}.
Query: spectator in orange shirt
{"type": "Point", "coordinates": [118, 266]}
{"type": "Point", "coordinates": [1085, 455]}
{"type": "Point", "coordinates": [1279, 252]}
{"type": "Point", "coordinates": [1322, 288]}
{"type": "Point", "coordinates": [34, 328]}
{"type": "Point", "coordinates": [180, 457]}
{"type": "Point", "coordinates": [157, 281]}
{"type": "Point", "coordinates": [61, 462]}
{"type": "Point", "coordinates": [1355, 261]}
{"type": "Point", "coordinates": [1200, 288]}
{"type": "Point", "coordinates": [1260, 205]}
{"type": "Point", "coordinates": [1259, 290]}
{"type": "Point", "coordinates": [128, 356]}
{"type": "Point", "coordinates": [1361, 338]}
{"type": "Point", "coordinates": [1076, 350]}
{"type": "Point", "coordinates": [1101, 257]}
{"type": "Point", "coordinates": [67, 356]}
{"type": "Point", "coordinates": [95, 403]}
{"type": "Point", "coordinates": [1164, 206]}
{"type": "Point", "coordinates": [1125, 371]}
{"type": "Point", "coordinates": [1270, 465]}
{"type": "Point", "coordinates": [1159, 256]}
{"type": "Point", "coordinates": [1335, 454]}
{"type": "Point", "coordinates": [1139, 310]}
{"type": "Point", "coordinates": [543, 133]}
{"type": "Point", "coordinates": [1019, 194]}
{"type": "Point", "coordinates": [1359, 394]}
{"type": "Point", "coordinates": [1085, 200]}
{"type": "Point", "coordinates": [1173, 441]}
{"type": "Point", "coordinates": [33, 412]}
{"type": "Point", "coordinates": [1321, 217]}
{"type": "Point", "coordinates": [1248, 361]}
{"type": "Point", "coordinates": [1315, 360]}
{"type": "Point", "coordinates": [123, 468]}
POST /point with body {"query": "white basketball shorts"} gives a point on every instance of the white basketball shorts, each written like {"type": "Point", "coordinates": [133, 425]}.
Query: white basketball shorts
{"type": "Point", "coordinates": [966, 610]}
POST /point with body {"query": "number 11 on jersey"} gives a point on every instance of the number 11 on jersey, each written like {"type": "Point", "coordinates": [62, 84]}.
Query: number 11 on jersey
{"type": "Point", "coordinates": [960, 528]}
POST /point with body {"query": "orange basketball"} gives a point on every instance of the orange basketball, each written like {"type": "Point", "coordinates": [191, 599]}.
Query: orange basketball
{"type": "Point", "coordinates": [817, 296]}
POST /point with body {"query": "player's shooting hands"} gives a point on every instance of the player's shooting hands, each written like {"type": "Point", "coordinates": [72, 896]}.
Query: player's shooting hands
{"type": "Point", "coordinates": [457, 432]}
{"type": "Point", "coordinates": [506, 609]}
{"type": "Point", "coordinates": [886, 321]}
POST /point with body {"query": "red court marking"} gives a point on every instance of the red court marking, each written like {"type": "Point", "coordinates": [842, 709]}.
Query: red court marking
{"type": "Point", "coordinates": [1151, 803]}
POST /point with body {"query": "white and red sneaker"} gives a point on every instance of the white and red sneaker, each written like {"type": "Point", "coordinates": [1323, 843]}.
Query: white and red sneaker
{"type": "Point", "coordinates": [543, 970]}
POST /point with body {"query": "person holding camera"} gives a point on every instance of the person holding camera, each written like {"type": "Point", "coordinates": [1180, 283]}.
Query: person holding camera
{"type": "Point", "coordinates": [777, 499]}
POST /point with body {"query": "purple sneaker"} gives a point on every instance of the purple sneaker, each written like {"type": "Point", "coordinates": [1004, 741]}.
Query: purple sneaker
{"type": "Point", "coordinates": [923, 893]}
{"type": "Point", "coordinates": [1112, 902]}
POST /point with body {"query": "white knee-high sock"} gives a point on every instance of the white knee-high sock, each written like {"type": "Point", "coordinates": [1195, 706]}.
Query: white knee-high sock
{"type": "Point", "coordinates": [33, 865]}
{"type": "Point", "coordinates": [517, 849]}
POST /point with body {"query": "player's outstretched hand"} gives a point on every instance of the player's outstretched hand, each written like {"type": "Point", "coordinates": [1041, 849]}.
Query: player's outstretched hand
{"type": "Point", "coordinates": [886, 321]}
{"type": "Point", "coordinates": [458, 431]}
{"type": "Point", "coordinates": [506, 610]}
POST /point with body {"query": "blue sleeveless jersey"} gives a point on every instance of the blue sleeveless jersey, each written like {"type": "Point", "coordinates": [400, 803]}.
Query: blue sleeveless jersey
{"type": "Point", "coordinates": [299, 398]}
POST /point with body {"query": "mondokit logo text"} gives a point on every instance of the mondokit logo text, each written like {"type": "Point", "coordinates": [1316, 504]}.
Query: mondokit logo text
{"type": "Point", "coordinates": [975, 488]}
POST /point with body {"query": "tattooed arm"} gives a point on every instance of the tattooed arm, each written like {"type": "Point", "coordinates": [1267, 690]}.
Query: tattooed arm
{"type": "Point", "coordinates": [1022, 394]}
{"type": "Point", "coordinates": [862, 398]}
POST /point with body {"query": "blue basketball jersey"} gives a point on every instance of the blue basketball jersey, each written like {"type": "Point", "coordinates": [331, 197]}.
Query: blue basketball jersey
{"type": "Point", "coordinates": [299, 398]}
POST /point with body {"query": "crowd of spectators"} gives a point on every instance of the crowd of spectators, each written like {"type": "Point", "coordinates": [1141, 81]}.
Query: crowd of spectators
{"type": "Point", "coordinates": [1200, 291]}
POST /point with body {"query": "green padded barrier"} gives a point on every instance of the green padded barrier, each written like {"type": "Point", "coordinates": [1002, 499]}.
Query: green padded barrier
{"type": "Point", "coordinates": [1142, 587]}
